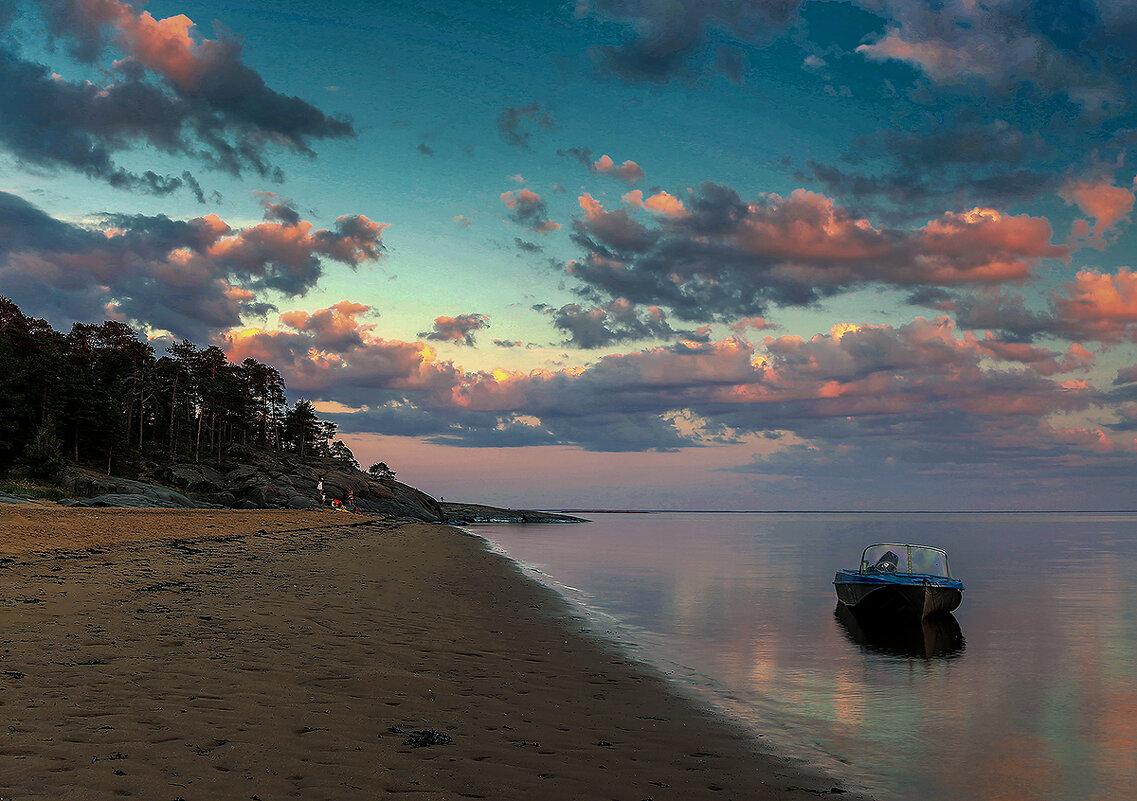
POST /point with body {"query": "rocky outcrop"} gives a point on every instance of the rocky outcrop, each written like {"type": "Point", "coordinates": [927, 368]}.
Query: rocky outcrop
{"type": "Point", "coordinates": [268, 480]}
{"type": "Point", "coordinates": [96, 489]}
{"type": "Point", "coordinates": [458, 514]}
{"type": "Point", "coordinates": [252, 479]}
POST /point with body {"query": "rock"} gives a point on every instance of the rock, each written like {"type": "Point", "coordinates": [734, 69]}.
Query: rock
{"type": "Point", "coordinates": [259, 479]}
{"type": "Point", "coordinates": [462, 513]}
{"type": "Point", "coordinates": [115, 491]}
{"type": "Point", "coordinates": [139, 501]}
{"type": "Point", "coordinates": [191, 478]}
{"type": "Point", "coordinates": [273, 480]}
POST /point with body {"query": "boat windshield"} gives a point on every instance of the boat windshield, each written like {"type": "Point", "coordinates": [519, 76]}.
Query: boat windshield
{"type": "Point", "coordinates": [895, 558]}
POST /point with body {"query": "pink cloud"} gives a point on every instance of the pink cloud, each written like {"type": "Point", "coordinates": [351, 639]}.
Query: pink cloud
{"type": "Point", "coordinates": [333, 328]}
{"type": "Point", "coordinates": [528, 209]}
{"type": "Point", "coordinates": [1098, 306]}
{"type": "Point", "coordinates": [1042, 360]}
{"type": "Point", "coordinates": [886, 387]}
{"type": "Point", "coordinates": [727, 258]}
{"type": "Point", "coordinates": [614, 228]}
{"type": "Point", "coordinates": [1105, 203]}
{"type": "Point", "coordinates": [937, 59]}
{"type": "Point", "coordinates": [235, 112]}
{"type": "Point", "coordinates": [740, 327]}
{"type": "Point", "coordinates": [460, 329]}
{"type": "Point", "coordinates": [355, 367]}
{"type": "Point", "coordinates": [189, 277]}
{"type": "Point", "coordinates": [661, 203]}
{"type": "Point", "coordinates": [629, 171]}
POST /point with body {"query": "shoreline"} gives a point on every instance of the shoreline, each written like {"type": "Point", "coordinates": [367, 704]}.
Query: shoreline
{"type": "Point", "coordinates": [280, 657]}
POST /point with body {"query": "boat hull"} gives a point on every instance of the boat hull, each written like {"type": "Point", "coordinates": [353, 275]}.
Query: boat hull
{"type": "Point", "coordinates": [934, 636]}
{"type": "Point", "coordinates": [906, 597]}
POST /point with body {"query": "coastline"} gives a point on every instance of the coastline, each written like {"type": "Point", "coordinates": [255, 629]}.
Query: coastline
{"type": "Point", "coordinates": [216, 654]}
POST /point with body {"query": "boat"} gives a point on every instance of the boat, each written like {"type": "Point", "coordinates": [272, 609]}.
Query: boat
{"type": "Point", "coordinates": [900, 582]}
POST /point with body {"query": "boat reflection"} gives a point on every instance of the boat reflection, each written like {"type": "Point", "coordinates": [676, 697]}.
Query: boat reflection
{"type": "Point", "coordinates": [935, 636]}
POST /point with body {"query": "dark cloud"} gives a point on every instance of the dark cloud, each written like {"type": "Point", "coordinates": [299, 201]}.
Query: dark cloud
{"type": "Point", "coordinates": [529, 210]}
{"type": "Point", "coordinates": [936, 163]}
{"type": "Point", "coordinates": [900, 393]}
{"type": "Point", "coordinates": [48, 122]}
{"type": "Point", "coordinates": [1022, 95]}
{"type": "Point", "coordinates": [207, 104]}
{"type": "Point", "coordinates": [580, 154]}
{"type": "Point", "coordinates": [1006, 314]}
{"type": "Point", "coordinates": [514, 123]}
{"type": "Point", "coordinates": [669, 40]}
{"type": "Point", "coordinates": [719, 257]}
{"type": "Point", "coordinates": [1126, 375]}
{"type": "Point", "coordinates": [191, 277]}
{"type": "Point", "coordinates": [1093, 307]}
{"type": "Point", "coordinates": [611, 232]}
{"type": "Point", "coordinates": [601, 326]}
{"type": "Point", "coordinates": [459, 330]}
{"type": "Point", "coordinates": [527, 247]}
{"type": "Point", "coordinates": [932, 298]}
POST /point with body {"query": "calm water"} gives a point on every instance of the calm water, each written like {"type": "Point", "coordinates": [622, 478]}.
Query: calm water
{"type": "Point", "coordinates": [1030, 692]}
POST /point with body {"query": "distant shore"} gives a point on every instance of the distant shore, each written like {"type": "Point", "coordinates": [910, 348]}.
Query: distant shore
{"type": "Point", "coordinates": [228, 654]}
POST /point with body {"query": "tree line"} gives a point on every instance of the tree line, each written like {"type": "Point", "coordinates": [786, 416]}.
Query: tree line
{"type": "Point", "coordinates": [99, 396]}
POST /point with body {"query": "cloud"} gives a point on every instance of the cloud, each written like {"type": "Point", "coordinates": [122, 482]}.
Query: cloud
{"type": "Point", "coordinates": [601, 326]}
{"type": "Point", "coordinates": [905, 393]}
{"type": "Point", "coordinates": [629, 171]}
{"type": "Point", "coordinates": [1097, 307]}
{"type": "Point", "coordinates": [458, 329]}
{"type": "Point", "coordinates": [190, 277]}
{"type": "Point", "coordinates": [1093, 307]}
{"type": "Point", "coordinates": [514, 123]}
{"type": "Point", "coordinates": [661, 203]}
{"type": "Point", "coordinates": [1104, 203]}
{"type": "Point", "coordinates": [334, 328]}
{"type": "Point", "coordinates": [599, 229]}
{"type": "Point", "coordinates": [529, 210]}
{"type": "Point", "coordinates": [998, 45]}
{"type": "Point", "coordinates": [527, 247]}
{"type": "Point", "coordinates": [1126, 375]}
{"type": "Point", "coordinates": [206, 103]}
{"type": "Point", "coordinates": [581, 154]}
{"type": "Point", "coordinates": [669, 40]}
{"type": "Point", "coordinates": [740, 327]}
{"type": "Point", "coordinates": [726, 258]}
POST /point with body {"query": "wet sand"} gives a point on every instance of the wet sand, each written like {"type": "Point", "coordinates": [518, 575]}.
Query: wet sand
{"type": "Point", "coordinates": [259, 655]}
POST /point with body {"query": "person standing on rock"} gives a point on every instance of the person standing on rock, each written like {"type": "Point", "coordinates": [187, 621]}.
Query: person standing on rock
{"type": "Point", "coordinates": [320, 489]}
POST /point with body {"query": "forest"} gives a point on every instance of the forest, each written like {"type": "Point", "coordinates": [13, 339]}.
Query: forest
{"type": "Point", "coordinates": [99, 396]}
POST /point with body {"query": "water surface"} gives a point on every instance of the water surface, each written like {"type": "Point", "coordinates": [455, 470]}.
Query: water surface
{"type": "Point", "coordinates": [1028, 692]}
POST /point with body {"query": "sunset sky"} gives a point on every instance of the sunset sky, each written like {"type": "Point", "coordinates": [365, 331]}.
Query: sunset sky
{"type": "Point", "coordinates": [776, 254]}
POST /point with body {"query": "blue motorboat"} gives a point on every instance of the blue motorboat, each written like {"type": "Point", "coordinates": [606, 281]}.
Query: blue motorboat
{"type": "Point", "coordinates": [899, 581]}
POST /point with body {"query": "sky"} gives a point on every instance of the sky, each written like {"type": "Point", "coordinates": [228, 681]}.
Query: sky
{"type": "Point", "coordinates": [718, 254]}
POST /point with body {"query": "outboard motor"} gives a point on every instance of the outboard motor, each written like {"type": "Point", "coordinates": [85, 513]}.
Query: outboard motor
{"type": "Point", "coordinates": [887, 563]}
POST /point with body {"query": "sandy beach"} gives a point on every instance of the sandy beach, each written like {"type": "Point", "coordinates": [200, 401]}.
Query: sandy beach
{"type": "Point", "coordinates": [260, 655]}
